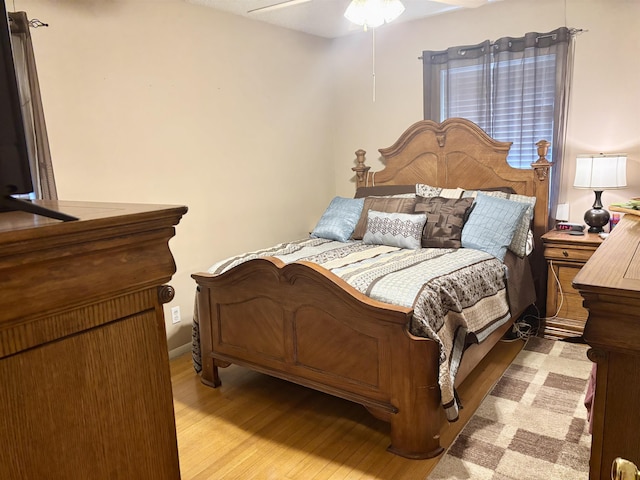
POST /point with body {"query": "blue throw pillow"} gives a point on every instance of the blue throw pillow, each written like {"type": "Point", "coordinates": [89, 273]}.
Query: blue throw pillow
{"type": "Point", "coordinates": [339, 219]}
{"type": "Point", "coordinates": [492, 224]}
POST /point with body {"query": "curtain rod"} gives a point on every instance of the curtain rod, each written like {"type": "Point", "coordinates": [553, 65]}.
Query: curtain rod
{"type": "Point", "coordinates": [35, 23]}
{"type": "Point", "coordinates": [572, 32]}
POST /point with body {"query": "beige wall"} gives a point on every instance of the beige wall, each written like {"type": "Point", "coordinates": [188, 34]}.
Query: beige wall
{"type": "Point", "coordinates": [161, 101]}
{"type": "Point", "coordinates": [172, 103]}
{"type": "Point", "coordinates": [605, 103]}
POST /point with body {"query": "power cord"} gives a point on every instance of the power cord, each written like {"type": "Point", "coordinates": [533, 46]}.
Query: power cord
{"type": "Point", "coordinates": [560, 292]}
{"type": "Point", "coordinates": [528, 324]}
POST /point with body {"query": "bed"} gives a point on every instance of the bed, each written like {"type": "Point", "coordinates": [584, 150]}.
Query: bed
{"type": "Point", "coordinates": [311, 317]}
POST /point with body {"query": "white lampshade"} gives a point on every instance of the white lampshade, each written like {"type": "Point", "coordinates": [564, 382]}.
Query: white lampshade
{"type": "Point", "coordinates": [601, 172]}
{"type": "Point", "coordinates": [373, 13]}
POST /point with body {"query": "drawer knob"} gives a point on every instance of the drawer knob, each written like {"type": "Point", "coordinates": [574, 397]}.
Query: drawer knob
{"type": "Point", "coordinates": [565, 253]}
{"type": "Point", "coordinates": [165, 293]}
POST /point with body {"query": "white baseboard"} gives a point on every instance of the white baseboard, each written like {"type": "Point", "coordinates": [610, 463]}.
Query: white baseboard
{"type": "Point", "coordinates": [181, 350]}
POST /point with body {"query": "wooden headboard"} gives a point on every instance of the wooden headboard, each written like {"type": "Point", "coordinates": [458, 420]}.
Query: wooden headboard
{"type": "Point", "coordinates": [458, 153]}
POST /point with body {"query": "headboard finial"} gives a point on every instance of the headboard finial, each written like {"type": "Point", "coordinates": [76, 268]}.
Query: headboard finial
{"type": "Point", "coordinates": [361, 169]}
{"type": "Point", "coordinates": [542, 165]}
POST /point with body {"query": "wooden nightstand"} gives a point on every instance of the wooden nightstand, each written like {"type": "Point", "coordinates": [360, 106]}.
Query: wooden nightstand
{"type": "Point", "coordinates": [565, 255]}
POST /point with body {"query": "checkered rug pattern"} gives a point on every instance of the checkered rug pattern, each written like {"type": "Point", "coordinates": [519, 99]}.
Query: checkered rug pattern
{"type": "Point", "coordinates": [533, 425]}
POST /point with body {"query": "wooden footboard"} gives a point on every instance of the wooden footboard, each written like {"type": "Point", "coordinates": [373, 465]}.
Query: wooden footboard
{"type": "Point", "coordinates": [303, 324]}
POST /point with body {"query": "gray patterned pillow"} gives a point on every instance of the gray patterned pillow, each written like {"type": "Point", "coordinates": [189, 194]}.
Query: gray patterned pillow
{"type": "Point", "coordinates": [424, 190]}
{"type": "Point", "coordinates": [403, 230]}
{"type": "Point", "coordinates": [445, 219]}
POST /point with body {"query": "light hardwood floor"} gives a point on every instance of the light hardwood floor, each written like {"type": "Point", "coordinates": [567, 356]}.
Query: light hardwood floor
{"type": "Point", "coordinates": [259, 427]}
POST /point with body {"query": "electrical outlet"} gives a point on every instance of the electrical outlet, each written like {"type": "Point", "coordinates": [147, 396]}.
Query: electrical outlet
{"type": "Point", "coordinates": [175, 314]}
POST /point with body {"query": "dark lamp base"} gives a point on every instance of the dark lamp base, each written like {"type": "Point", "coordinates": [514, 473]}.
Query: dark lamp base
{"type": "Point", "coordinates": [596, 218]}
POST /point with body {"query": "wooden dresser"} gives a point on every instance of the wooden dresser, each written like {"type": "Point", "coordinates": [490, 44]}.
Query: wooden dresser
{"type": "Point", "coordinates": [610, 285]}
{"type": "Point", "coordinates": [86, 388]}
{"type": "Point", "coordinates": [565, 255]}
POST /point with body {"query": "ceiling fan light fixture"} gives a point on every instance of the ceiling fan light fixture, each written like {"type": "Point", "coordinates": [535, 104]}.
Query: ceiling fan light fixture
{"type": "Point", "coordinates": [373, 13]}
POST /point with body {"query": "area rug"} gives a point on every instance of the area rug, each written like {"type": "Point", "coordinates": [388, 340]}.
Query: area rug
{"type": "Point", "coordinates": [532, 425]}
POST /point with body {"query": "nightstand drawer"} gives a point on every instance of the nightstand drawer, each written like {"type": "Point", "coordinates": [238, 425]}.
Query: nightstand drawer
{"type": "Point", "coordinates": [571, 300]}
{"type": "Point", "coordinates": [565, 277]}
{"type": "Point", "coordinates": [572, 308]}
{"type": "Point", "coordinates": [568, 254]}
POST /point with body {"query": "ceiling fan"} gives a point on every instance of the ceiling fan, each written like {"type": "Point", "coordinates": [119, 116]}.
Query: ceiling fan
{"type": "Point", "coordinates": [276, 6]}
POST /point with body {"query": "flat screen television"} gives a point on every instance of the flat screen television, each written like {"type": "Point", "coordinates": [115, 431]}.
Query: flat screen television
{"type": "Point", "coordinates": [15, 171]}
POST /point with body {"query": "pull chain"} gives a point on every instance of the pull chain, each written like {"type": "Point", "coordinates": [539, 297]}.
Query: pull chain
{"type": "Point", "coordinates": [373, 37]}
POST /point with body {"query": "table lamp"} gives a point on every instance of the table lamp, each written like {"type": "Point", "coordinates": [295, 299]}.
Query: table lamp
{"type": "Point", "coordinates": [600, 172]}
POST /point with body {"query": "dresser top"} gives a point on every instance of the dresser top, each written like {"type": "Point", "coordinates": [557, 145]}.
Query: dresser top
{"type": "Point", "coordinates": [615, 267]}
{"type": "Point", "coordinates": [19, 226]}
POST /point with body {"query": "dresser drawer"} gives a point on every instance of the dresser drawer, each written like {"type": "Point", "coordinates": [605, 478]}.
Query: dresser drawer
{"type": "Point", "coordinates": [568, 254]}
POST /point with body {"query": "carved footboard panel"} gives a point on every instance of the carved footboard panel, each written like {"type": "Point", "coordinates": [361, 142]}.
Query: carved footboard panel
{"type": "Point", "coordinates": [303, 324]}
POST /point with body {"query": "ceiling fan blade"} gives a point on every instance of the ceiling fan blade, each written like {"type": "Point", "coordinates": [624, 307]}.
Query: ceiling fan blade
{"type": "Point", "coordinates": [464, 3]}
{"type": "Point", "coordinates": [276, 6]}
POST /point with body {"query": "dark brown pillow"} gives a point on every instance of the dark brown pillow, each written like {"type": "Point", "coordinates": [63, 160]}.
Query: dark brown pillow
{"type": "Point", "coordinates": [382, 190]}
{"type": "Point", "coordinates": [445, 219]}
{"type": "Point", "coordinates": [382, 204]}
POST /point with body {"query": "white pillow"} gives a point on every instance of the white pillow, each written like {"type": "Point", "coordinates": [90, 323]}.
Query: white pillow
{"type": "Point", "coordinates": [451, 193]}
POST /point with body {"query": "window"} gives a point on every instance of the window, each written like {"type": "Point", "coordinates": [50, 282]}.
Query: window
{"type": "Point", "coordinates": [515, 89]}
{"type": "Point", "coordinates": [522, 111]}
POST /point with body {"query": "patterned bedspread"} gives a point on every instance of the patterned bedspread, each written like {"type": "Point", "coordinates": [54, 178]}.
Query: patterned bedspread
{"type": "Point", "coordinates": [451, 291]}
